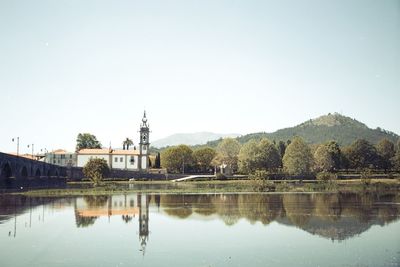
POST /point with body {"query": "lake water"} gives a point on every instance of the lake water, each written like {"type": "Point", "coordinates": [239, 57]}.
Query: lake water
{"type": "Point", "coordinates": [201, 230]}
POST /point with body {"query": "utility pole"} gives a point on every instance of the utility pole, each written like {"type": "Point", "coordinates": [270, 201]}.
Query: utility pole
{"type": "Point", "coordinates": [17, 145]}
{"type": "Point", "coordinates": [32, 150]}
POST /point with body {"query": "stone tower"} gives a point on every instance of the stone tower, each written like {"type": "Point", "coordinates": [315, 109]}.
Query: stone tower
{"type": "Point", "coordinates": [143, 203]}
{"type": "Point", "coordinates": [144, 144]}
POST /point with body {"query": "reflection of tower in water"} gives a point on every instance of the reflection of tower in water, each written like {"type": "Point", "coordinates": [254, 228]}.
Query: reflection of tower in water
{"type": "Point", "coordinates": [143, 203]}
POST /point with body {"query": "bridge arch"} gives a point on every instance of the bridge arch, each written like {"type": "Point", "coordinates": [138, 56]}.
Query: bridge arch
{"type": "Point", "coordinates": [37, 173]}
{"type": "Point", "coordinates": [24, 172]}
{"type": "Point", "coordinates": [6, 171]}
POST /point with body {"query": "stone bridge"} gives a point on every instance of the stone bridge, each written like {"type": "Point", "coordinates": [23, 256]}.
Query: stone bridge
{"type": "Point", "coordinates": [20, 171]}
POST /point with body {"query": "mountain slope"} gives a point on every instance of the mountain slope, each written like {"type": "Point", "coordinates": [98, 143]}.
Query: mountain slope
{"type": "Point", "coordinates": [335, 126]}
{"type": "Point", "coordinates": [190, 139]}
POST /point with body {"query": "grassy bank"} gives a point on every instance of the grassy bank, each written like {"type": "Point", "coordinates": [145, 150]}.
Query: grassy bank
{"type": "Point", "coordinates": [235, 186]}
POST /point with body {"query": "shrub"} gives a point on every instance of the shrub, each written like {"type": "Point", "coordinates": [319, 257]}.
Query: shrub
{"type": "Point", "coordinates": [326, 177]}
{"type": "Point", "coordinates": [220, 176]}
{"type": "Point", "coordinates": [95, 170]}
{"type": "Point", "coordinates": [260, 174]}
{"type": "Point", "coordinates": [366, 177]}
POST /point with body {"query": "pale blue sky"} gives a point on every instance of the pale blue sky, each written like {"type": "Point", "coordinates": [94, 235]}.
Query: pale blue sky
{"type": "Point", "coordinates": [223, 66]}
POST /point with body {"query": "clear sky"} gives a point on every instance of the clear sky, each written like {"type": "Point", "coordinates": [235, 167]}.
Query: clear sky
{"type": "Point", "coordinates": [223, 66]}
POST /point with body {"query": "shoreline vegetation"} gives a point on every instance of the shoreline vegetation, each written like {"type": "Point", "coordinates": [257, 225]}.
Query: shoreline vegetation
{"type": "Point", "coordinates": [72, 189]}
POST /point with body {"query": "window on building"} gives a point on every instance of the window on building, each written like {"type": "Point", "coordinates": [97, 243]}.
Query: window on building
{"type": "Point", "coordinates": [62, 156]}
{"type": "Point", "coordinates": [144, 148]}
{"type": "Point", "coordinates": [115, 159]}
{"type": "Point", "coordinates": [132, 160]}
{"type": "Point", "coordinates": [70, 156]}
{"type": "Point", "coordinates": [121, 159]}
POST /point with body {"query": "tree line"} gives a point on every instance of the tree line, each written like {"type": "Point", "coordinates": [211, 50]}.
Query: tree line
{"type": "Point", "coordinates": [293, 157]}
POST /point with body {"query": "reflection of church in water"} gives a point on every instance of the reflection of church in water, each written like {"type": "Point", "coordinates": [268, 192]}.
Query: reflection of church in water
{"type": "Point", "coordinates": [89, 208]}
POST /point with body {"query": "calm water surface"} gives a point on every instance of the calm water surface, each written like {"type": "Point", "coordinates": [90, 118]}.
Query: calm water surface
{"type": "Point", "coordinates": [201, 230]}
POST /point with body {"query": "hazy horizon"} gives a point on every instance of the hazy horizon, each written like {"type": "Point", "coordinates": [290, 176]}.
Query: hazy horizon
{"type": "Point", "coordinates": [68, 67]}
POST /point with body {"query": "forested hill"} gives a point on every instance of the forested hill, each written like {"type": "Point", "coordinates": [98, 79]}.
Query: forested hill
{"type": "Point", "coordinates": [335, 126]}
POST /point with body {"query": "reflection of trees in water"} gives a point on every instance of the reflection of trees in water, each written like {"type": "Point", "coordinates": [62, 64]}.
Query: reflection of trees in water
{"type": "Point", "coordinates": [328, 207]}
{"type": "Point", "coordinates": [82, 222]}
{"type": "Point", "coordinates": [204, 205]}
{"type": "Point", "coordinates": [95, 201]}
{"type": "Point", "coordinates": [127, 218]}
{"type": "Point", "coordinates": [226, 207]}
{"type": "Point", "coordinates": [177, 205]}
{"type": "Point", "coordinates": [337, 216]}
{"type": "Point", "coordinates": [264, 208]}
{"type": "Point", "coordinates": [298, 207]}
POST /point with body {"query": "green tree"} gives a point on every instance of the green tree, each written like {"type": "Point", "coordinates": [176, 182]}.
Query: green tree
{"type": "Point", "coordinates": [362, 154]}
{"type": "Point", "coordinates": [259, 156]}
{"type": "Point", "coordinates": [86, 140]}
{"type": "Point", "coordinates": [157, 161]}
{"type": "Point", "coordinates": [95, 169]}
{"type": "Point", "coordinates": [177, 158]}
{"type": "Point", "coordinates": [298, 158]}
{"type": "Point", "coordinates": [386, 152]}
{"type": "Point", "coordinates": [322, 159]}
{"type": "Point", "coordinates": [228, 151]}
{"type": "Point", "coordinates": [396, 158]}
{"type": "Point", "coordinates": [247, 157]}
{"type": "Point", "coordinates": [269, 157]}
{"type": "Point", "coordinates": [203, 158]}
{"type": "Point", "coordinates": [327, 157]}
{"type": "Point", "coordinates": [281, 148]}
{"type": "Point", "coordinates": [126, 143]}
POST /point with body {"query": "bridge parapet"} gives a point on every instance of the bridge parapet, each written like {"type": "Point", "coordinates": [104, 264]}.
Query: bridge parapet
{"type": "Point", "coordinates": [20, 170]}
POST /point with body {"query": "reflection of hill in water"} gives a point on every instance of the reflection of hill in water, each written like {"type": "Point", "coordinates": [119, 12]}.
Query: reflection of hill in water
{"type": "Point", "coordinates": [341, 229]}
{"type": "Point", "coordinates": [333, 216]}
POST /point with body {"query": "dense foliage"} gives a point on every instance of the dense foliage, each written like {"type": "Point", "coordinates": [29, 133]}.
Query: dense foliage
{"type": "Point", "coordinates": [86, 140]}
{"type": "Point", "coordinates": [298, 159]}
{"type": "Point", "coordinates": [362, 154]}
{"type": "Point", "coordinates": [203, 158]}
{"type": "Point", "coordinates": [259, 156]}
{"type": "Point", "coordinates": [327, 157]}
{"type": "Point", "coordinates": [263, 158]}
{"type": "Point", "coordinates": [227, 152]}
{"type": "Point", "coordinates": [177, 158]}
{"type": "Point", "coordinates": [96, 169]}
{"type": "Point", "coordinates": [157, 161]}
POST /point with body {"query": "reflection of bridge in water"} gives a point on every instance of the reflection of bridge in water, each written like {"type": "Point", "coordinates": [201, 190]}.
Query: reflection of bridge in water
{"type": "Point", "coordinates": [19, 171]}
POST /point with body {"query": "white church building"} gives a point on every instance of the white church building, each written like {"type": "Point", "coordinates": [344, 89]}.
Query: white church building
{"type": "Point", "coordinates": [136, 159]}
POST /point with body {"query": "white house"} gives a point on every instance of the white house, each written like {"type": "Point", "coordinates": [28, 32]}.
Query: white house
{"type": "Point", "coordinates": [132, 159]}
{"type": "Point", "coordinates": [116, 159]}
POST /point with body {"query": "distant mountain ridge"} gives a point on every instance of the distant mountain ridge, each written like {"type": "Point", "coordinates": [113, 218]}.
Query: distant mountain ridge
{"type": "Point", "coordinates": [340, 128]}
{"type": "Point", "coordinates": [190, 139]}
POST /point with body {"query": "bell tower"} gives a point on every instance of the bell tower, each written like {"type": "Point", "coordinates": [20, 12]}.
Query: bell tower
{"type": "Point", "coordinates": [144, 144]}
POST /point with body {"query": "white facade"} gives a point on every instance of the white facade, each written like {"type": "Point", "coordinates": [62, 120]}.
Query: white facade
{"type": "Point", "coordinates": [116, 159]}
{"type": "Point", "coordinates": [84, 158]}
{"type": "Point", "coordinates": [129, 162]}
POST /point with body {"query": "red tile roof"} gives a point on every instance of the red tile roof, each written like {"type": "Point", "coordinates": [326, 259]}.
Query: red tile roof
{"type": "Point", "coordinates": [106, 151]}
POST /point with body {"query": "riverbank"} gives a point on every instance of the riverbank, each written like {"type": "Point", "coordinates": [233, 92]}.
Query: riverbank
{"type": "Point", "coordinates": [211, 187]}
